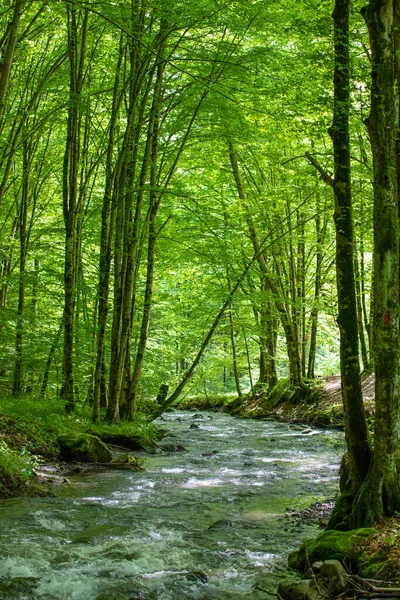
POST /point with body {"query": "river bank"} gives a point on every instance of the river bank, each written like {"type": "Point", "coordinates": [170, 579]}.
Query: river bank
{"type": "Point", "coordinates": [318, 404]}
{"type": "Point", "coordinates": [40, 446]}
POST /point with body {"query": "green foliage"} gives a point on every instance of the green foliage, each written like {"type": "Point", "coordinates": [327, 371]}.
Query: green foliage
{"type": "Point", "coordinates": [263, 72]}
{"type": "Point", "coordinates": [14, 463]}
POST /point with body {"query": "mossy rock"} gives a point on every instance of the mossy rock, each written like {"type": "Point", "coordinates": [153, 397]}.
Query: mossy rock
{"type": "Point", "coordinates": [338, 545]}
{"type": "Point", "coordinates": [83, 448]}
{"type": "Point", "coordinates": [130, 441]}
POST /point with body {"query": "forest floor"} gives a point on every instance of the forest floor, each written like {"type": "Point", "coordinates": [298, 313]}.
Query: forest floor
{"type": "Point", "coordinates": [322, 407]}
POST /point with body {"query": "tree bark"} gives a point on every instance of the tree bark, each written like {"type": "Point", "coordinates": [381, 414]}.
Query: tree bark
{"type": "Point", "coordinates": [23, 215]}
{"type": "Point", "coordinates": [356, 430]}
{"type": "Point", "coordinates": [6, 65]}
{"type": "Point", "coordinates": [380, 493]}
{"type": "Point", "coordinates": [76, 53]}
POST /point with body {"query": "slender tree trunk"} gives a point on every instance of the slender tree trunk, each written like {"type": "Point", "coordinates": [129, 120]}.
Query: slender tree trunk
{"type": "Point", "coordinates": [18, 372]}
{"type": "Point", "coordinates": [153, 209]}
{"type": "Point", "coordinates": [50, 357]}
{"type": "Point", "coordinates": [233, 350]}
{"type": "Point", "coordinates": [301, 289]}
{"type": "Point", "coordinates": [355, 422]}
{"type": "Point", "coordinates": [289, 327]}
{"type": "Point", "coordinates": [107, 222]}
{"type": "Point", "coordinates": [320, 235]}
{"type": "Point", "coordinates": [76, 49]}
{"type": "Point", "coordinates": [125, 282]}
{"type": "Point", "coordinates": [363, 345]}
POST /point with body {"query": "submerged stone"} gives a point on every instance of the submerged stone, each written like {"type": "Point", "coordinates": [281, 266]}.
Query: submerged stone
{"type": "Point", "coordinates": [221, 524]}
{"type": "Point", "coordinates": [297, 590]}
{"type": "Point", "coordinates": [197, 577]}
{"type": "Point", "coordinates": [83, 448]}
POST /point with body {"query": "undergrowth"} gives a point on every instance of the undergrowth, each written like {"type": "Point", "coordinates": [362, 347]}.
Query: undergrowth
{"type": "Point", "coordinates": [29, 429]}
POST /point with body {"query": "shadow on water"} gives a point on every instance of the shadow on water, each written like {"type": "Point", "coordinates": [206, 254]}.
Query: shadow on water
{"type": "Point", "coordinates": [201, 524]}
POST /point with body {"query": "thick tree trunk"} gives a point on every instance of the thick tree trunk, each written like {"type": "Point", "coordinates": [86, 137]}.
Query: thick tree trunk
{"type": "Point", "coordinates": [355, 422]}
{"type": "Point", "coordinates": [380, 493]}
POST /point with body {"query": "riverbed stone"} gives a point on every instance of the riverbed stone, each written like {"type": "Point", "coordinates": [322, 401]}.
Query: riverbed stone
{"type": "Point", "coordinates": [221, 524]}
{"type": "Point", "coordinates": [197, 577]}
{"type": "Point", "coordinates": [297, 590]}
{"type": "Point", "coordinates": [335, 573]}
{"type": "Point", "coordinates": [171, 446]}
{"type": "Point", "coordinates": [112, 596]}
{"type": "Point", "coordinates": [83, 448]}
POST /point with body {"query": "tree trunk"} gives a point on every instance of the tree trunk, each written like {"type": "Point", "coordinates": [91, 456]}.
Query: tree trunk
{"type": "Point", "coordinates": [363, 345]}
{"type": "Point", "coordinates": [380, 493]}
{"type": "Point", "coordinates": [6, 64]}
{"type": "Point", "coordinates": [355, 422]}
{"type": "Point", "coordinates": [234, 353]}
{"type": "Point", "coordinates": [320, 236]}
{"type": "Point", "coordinates": [23, 215]}
{"type": "Point", "coordinates": [76, 50]}
{"type": "Point", "coordinates": [289, 326]}
{"type": "Point", "coordinates": [153, 209]}
{"type": "Point", "coordinates": [107, 224]}
{"type": "Point", "coordinates": [50, 357]}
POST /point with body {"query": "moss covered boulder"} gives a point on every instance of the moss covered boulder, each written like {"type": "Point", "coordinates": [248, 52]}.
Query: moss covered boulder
{"type": "Point", "coordinates": [83, 448]}
{"type": "Point", "coordinates": [130, 441]}
{"type": "Point", "coordinates": [338, 545]}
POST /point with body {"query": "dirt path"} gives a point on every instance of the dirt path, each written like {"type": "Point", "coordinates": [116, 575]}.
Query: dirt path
{"type": "Point", "coordinates": [334, 392]}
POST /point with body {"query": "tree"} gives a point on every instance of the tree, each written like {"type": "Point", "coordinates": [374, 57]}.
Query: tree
{"type": "Point", "coordinates": [355, 421]}
{"type": "Point", "coordinates": [380, 492]}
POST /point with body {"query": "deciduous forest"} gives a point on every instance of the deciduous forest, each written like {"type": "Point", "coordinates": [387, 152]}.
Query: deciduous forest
{"type": "Point", "coordinates": [200, 200]}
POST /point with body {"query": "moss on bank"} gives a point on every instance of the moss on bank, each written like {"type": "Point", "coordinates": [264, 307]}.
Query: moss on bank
{"type": "Point", "coordinates": [306, 404]}
{"type": "Point", "coordinates": [30, 434]}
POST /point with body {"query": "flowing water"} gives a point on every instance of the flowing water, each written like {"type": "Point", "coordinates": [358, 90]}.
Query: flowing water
{"type": "Point", "coordinates": [124, 535]}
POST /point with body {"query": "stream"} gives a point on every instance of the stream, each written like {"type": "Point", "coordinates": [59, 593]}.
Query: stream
{"type": "Point", "coordinates": [121, 535]}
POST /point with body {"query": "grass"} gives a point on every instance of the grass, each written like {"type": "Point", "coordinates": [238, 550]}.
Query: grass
{"type": "Point", "coordinates": [29, 428]}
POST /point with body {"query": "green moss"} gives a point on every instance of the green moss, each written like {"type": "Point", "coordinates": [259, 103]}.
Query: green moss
{"type": "Point", "coordinates": [214, 402]}
{"type": "Point", "coordinates": [133, 436]}
{"type": "Point", "coordinates": [338, 545]}
{"type": "Point", "coordinates": [83, 448]}
{"type": "Point", "coordinates": [339, 519]}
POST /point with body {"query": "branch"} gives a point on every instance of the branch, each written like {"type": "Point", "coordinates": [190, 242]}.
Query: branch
{"type": "Point", "coordinates": [326, 178]}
